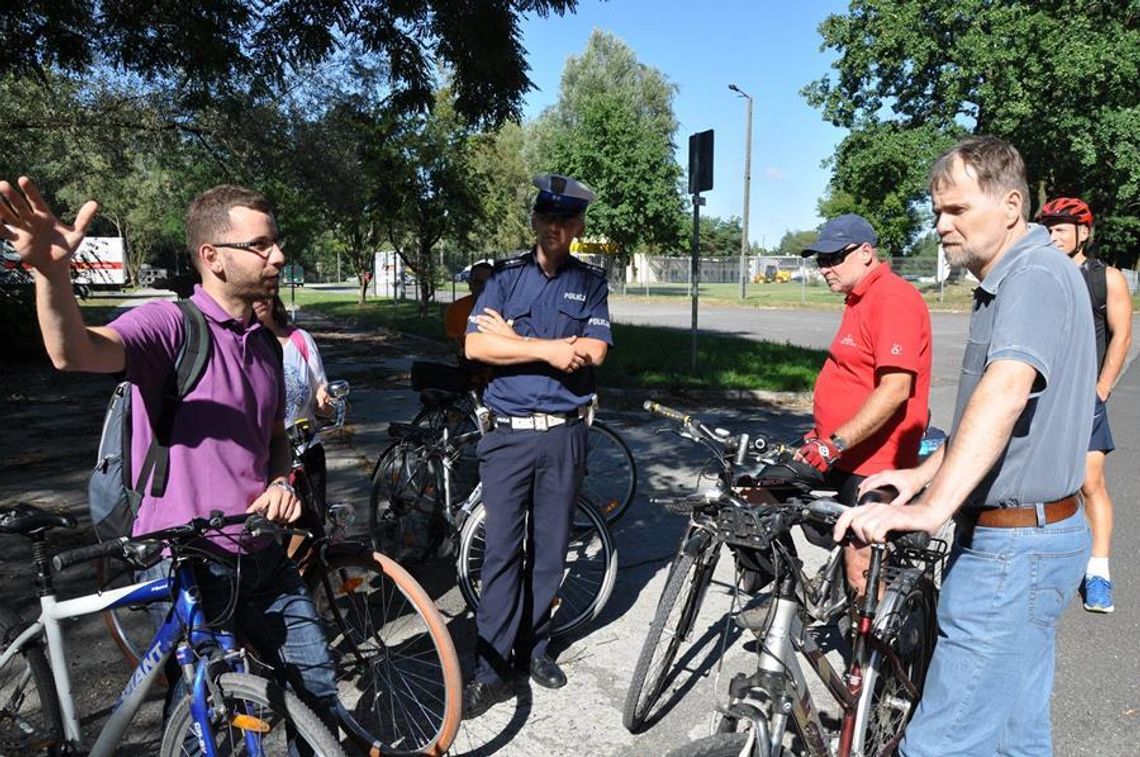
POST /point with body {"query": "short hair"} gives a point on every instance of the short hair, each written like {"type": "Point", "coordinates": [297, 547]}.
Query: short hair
{"type": "Point", "coordinates": [209, 215]}
{"type": "Point", "coordinates": [997, 164]}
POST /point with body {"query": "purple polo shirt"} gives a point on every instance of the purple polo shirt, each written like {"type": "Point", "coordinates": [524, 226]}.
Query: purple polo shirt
{"type": "Point", "coordinates": [219, 454]}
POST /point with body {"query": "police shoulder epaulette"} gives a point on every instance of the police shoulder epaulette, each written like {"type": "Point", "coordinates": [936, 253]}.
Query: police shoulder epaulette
{"type": "Point", "coordinates": [515, 262]}
{"type": "Point", "coordinates": [597, 270]}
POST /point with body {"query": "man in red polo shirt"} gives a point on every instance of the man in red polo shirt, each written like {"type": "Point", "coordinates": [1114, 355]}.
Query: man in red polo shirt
{"type": "Point", "coordinates": [870, 403]}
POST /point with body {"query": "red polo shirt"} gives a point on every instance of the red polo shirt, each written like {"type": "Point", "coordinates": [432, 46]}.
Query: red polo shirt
{"type": "Point", "coordinates": [886, 325]}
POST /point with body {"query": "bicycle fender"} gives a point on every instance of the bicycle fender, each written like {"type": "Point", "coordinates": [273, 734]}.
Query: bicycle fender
{"type": "Point", "coordinates": [696, 543]}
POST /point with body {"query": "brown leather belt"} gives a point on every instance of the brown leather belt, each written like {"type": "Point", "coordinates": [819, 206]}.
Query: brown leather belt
{"type": "Point", "coordinates": [1023, 517]}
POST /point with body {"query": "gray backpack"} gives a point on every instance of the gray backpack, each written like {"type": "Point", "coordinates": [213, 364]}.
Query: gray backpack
{"type": "Point", "coordinates": [113, 493]}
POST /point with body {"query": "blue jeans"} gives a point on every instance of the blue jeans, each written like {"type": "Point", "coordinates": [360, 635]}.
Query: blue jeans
{"type": "Point", "coordinates": [991, 678]}
{"type": "Point", "coordinates": [274, 614]}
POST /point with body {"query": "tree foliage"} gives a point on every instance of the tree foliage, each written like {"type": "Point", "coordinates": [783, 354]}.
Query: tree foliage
{"type": "Point", "coordinates": [1057, 79]}
{"type": "Point", "coordinates": [795, 242]}
{"type": "Point", "coordinates": [613, 128]}
{"type": "Point", "coordinates": [207, 50]}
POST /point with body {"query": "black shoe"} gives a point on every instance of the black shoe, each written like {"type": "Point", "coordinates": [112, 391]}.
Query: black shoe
{"type": "Point", "coordinates": [478, 697]}
{"type": "Point", "coordinates": [546, 673]}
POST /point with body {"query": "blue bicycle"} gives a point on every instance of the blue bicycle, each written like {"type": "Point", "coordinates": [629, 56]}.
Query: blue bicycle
{"type": "Point", "coordinates": [227, 710]}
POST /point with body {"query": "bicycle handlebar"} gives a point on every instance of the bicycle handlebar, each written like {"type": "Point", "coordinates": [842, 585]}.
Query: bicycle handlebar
{"type": "Point", "coordinates": [136, 548]}
{"type": "Point", "coordinates": [668, 412]}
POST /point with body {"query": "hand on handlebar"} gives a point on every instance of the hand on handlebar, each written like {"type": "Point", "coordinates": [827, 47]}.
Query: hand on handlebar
{"type": "Point", "coordinates": [908, 482]}
{"type": "Point", "coordinates": [278, 504]}
{"type": "Point", "coordinates": [820, 454]}
{"type": "Point", "coordinates": [872, 523]}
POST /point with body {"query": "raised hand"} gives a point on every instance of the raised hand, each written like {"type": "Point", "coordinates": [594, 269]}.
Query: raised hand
{"type": "Point", "coordinates": [40, 239]}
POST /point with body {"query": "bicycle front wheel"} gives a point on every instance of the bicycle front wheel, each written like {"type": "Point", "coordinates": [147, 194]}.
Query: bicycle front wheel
{"type": "Point", "coordinates": [587, 578]}
{"type": "Point", "coordinates": [248, 711]}
{"type": "Point", "coordinates": [689, 578]}
{"type": "Point", "coordinates": [611, 472]}
{"type": "Point", "coordinates": [400, 684]}
{"type": "Point", "coordinates": [887, 703]}
{"type": "Point", "coordinates": [29, 711]}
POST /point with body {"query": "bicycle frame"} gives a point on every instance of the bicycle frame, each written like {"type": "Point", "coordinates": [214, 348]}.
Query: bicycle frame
{"type": "Point", "coordinates": [185, 619]}
{"type": "Point", "coordinates": [780, 675]}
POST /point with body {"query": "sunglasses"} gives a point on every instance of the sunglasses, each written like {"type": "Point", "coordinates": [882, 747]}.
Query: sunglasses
{"type": "Point", "coordinates": [832, 259]}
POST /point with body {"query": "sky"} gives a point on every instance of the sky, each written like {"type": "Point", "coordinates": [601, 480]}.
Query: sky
{"type": "Point", "coordinates": [768, 48]}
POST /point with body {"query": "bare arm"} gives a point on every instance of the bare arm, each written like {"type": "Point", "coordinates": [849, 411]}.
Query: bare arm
{"type": "Point", "coordinates": [47, 245]}
{"type": "Point", "coordinates": [978, 441]}
{"type": "Point", "coordinates": [1119, 315]}
{"type": "Point", "coordinates": [889, 396]}
{"type": "Point", "coordinates": [499, 349]}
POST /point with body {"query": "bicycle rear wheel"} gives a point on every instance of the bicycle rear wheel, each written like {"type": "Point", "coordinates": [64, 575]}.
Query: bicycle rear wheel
{"type": "Point", "coordinates": [910, 629]}
{"type": "Point", "coordinates": [29, 710]}
{"type": "Point", "coordinates": [611, 472]}
{"type": "Point", "coordinates": [588, 577]}
{"type": "Point", "coordinates": [248, 707]}
{"type": "Point", "coordinates": [403, 515]}
{"type": "Point", "coordinates": [397, 669]}
{"type": "Point", "coordinates": [689, 578]}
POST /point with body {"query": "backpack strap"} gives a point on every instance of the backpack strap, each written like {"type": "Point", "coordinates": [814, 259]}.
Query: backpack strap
{"type": "Point", "coordinates": [189, 366]}
{"type": "Point", "coordinates": [298, 340]}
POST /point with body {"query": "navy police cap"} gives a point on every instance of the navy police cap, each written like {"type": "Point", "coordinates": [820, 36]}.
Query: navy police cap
{"type": "Point", "coordinates": [561, 196]}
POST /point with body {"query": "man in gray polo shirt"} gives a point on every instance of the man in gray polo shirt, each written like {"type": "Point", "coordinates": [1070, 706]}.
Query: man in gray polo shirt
{"type": "Point", "coordinates": [1009, 473]}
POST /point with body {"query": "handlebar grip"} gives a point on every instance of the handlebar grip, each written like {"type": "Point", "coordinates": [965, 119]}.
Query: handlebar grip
{"type": "Point", "coordinates": [65, 560]}
{"type": "Point", "coordinates": [667, 412]}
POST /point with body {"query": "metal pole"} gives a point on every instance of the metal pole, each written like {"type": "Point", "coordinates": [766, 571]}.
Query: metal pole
{"type": "Point", "coordinates": [747, 187]}
{"type": "Point", "coordinates": [695, 271]}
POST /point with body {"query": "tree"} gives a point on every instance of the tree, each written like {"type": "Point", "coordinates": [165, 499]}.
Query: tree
{"type": "Point", "coordinates": [1061, 86]}
{"type": "Point", "coordinates": [795, 242]}
{"type": "Point", "coordinates": [613, 128]}
{"type": "Point", "coordinates": [205, 50]}
{"type": "Point", "coordinates": [504, 182]}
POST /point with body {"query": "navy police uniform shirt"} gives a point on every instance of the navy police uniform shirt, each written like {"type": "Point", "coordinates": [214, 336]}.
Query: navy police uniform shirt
{"type": "Point", "coordinates": [572, 302]}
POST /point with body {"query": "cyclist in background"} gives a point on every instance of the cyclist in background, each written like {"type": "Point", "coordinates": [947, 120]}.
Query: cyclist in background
{"type": "Point", "coordinates": [228, 450]}
{"type": "Point", "coordinates": [1070, 224]}
{"type": "Point", "coordinates": [306, 387]}
{"type": "Point", "coordinates": [871, 397]}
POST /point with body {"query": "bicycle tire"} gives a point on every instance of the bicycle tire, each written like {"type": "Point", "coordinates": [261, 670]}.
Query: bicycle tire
{"type": "Point", "coordinates": [689, 577]}
{"type": "Point", "coordinates": [403, 513]}
{"type": "Point", "coordinates": [717, 745]}
{"type": "Point", "coordinates": [130, 628]}
{"type": "Point", "coordinates": [31, 721]}
{"type": "Point", "coordinates": [611, 472]}
{"type": "Point", "coordinates": [265, 705]}
{"type": "Point", "coordinates": [393, 653]}
{"type": "Point", "coordinates": [885, 707]}
{"type": "Point", "coordinates": [587, 581]}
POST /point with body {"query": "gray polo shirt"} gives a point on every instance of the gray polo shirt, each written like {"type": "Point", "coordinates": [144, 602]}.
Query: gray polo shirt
{"type": "Point", "coordinates": [1034, 307]}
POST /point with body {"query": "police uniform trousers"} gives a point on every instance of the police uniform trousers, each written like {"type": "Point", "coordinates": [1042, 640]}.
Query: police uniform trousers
{"type": "Point", "coordinates": [530, 483]}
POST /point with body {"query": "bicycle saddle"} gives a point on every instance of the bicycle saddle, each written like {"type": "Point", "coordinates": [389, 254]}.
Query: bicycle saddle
{"type": "Point", "coordinates": [433, 399]}
{"type": "Point", "coordinates": [29, 520]}
{"type": "Point", "coordinates": [411, 432]}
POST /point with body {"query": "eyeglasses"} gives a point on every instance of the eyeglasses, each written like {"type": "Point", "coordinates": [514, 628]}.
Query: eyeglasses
{"type": "Point", "coordinates": [832, 259]}
{"type": "Point", "coordinates": [263, 248]}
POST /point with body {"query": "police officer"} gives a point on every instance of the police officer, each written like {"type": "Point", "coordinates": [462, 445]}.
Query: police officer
{"type": "Point", "coordinates": [542, 322]}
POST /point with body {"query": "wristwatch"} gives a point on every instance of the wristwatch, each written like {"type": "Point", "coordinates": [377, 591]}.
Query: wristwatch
{"type": "Point", "coordinates": [839, 443]}
{"type": "Point", "coordinates": [283, 484]}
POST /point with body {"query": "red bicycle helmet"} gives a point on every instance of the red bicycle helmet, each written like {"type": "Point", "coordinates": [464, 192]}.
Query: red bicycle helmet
{"type": "Point", "coordinates": [1066, 210]}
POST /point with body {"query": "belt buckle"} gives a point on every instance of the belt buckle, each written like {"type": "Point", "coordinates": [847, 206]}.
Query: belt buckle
{"type": "Point", "coordinates": [541, 422]}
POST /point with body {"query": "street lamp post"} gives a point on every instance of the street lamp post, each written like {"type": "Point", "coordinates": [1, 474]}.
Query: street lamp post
{"type": "Point", "coordinates": [747, 187]}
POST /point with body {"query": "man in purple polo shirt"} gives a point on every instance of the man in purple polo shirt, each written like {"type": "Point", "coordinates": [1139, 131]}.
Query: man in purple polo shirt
{"type": "Point", "coordinates": [229, 450]}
